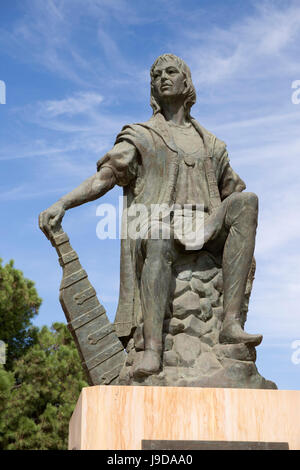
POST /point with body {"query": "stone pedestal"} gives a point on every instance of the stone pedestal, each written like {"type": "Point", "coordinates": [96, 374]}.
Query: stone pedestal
{"type": "Point", "coordinates": [120, 417]}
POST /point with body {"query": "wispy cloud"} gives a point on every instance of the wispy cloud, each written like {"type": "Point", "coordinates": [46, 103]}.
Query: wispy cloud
{"type": "Point", "coordinates": [24, 191]}
{"type": "Point", "coordinates": [73, 124]}
{"type": "Point", "coordinates": [47, 35]}
{"type": "Point", "coordinates": [77, 104]}
{"type": "Point", "coordinates": [258, 46]}
{"type": "Point", "coordinates": [42, 35]}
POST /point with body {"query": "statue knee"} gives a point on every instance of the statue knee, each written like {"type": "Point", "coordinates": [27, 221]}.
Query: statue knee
{"type": "Point", "coordinates": [242, 209]}
{"type": "Point", "coordinates": [245, 198]}
{"type": "Point", "coordinates": [252, 200]}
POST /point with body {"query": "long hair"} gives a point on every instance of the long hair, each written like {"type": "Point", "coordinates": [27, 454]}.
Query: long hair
{"type": "Point", "coordinates": [190, 90]}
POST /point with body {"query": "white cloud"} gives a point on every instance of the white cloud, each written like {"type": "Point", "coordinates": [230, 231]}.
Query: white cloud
{"type": "Point", "coordinates": [254, 47]}
{"type": "Point", "coordinates": [30, 150]}
{"type": "Point", "coordinates": [25, 191]}
{"type": "Point", "coordinates": [44, 35]}
{"type": "Point", "coordinates": [80, 103]}
{"type": "Point", "coordinates": [278, 228]}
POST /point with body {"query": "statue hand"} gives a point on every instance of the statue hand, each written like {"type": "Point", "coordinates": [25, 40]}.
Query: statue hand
{"type": "Point", "coordinates": [51, 218]}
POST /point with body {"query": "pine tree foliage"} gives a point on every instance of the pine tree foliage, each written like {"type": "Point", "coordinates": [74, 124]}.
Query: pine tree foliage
{"type": "Point", "coordinates": [38, 396]}
{"type": "Point", "coordinates": [19, 303]}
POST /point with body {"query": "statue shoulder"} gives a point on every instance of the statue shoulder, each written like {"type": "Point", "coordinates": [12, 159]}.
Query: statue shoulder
{"type": "Point", "coordinates": [216, 146]}
{"type": "Point", "coordinates": [134, 131]}
{"type": "Point", "coordinates": [136, 134]}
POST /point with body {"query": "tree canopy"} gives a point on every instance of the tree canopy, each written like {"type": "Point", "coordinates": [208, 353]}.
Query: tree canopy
{"type": "Point", "coordinates": [19, 303]}
{"type": "Point", "coordinates": [42, 378]}
{"type": "Point", "coordinates": [38, 395]}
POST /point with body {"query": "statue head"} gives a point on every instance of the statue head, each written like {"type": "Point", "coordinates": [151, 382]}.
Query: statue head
{"type": "Point", "coordinates": [189, 92]}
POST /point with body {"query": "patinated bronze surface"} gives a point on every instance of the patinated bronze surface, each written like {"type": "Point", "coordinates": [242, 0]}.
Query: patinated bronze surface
{"type": "Point", "coordinates": [183, 301]}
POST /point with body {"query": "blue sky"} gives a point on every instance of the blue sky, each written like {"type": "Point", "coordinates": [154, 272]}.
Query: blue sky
{"type": "Point", "coordinates": [76, 71]}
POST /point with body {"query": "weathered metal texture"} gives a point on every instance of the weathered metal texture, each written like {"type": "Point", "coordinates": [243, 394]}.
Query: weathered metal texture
{"type": "Point", "coordinates": [100, 349]}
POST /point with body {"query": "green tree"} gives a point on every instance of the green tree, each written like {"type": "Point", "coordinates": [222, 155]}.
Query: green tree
{"type": "Point", "coordinates": [19, 303]}
{"type": "Point", "coordinates": [39, 394]}
{"type": "Point", "coordinates": [6, 383]}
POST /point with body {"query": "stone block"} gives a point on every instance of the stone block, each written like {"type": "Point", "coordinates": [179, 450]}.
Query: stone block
{"type": "Point", "coordinates": [242, 352]}
{"type": "Point", "coordinates": [218, 282]}
{"type": "Point", "coordinates": [207, 364]}
{"type": "Point", "coordinates": [175, 326]}
{"type": "Point", "coordinates": [168, 342]}
{"type": "Point", "coordinates": [211, 338]}
{"type": "Point", "coordinates": [186, 304]}
{"type": "Point", "coordinates": [205, 313]}
{"type": "Point", "coordinates": [184, 274]}
{"type": "Point", "coordinates": [170, 358]}
{"type": "Point", "coordinates": [180, 288]}
{"type": "Point", "coordinates": [212, 294]}
{"type": "Point", "coordinates": [206, 276]}
{"type": "Point", "coordinates": [187, 348]}
{"type": "Point", "coordinates": [198, 287]}
{"type": "Point", "coordinates": [196, 327]}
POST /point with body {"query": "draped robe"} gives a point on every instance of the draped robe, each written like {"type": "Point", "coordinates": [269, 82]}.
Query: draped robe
{"type": "Point", "coordinates": [145, 162]}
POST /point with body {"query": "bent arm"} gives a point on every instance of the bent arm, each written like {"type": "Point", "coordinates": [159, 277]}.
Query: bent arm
{"type": "Point", "coordinates": [116, 167]}
{"type": "Point", "coordinates": [89, 190]}
{"type": "Point", "coordinates": [92, 188]}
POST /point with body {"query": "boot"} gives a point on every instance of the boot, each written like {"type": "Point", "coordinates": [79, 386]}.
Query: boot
{"type": "Point", "coordinates": [233, 333]}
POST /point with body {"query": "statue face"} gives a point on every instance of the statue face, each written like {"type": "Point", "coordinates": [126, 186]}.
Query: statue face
{"type": "Point", "coordinates": [168, 81]}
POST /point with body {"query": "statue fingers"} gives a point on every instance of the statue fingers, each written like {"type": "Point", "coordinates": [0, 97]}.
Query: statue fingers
{"type": "Point", "coordinates": [44, 223]}
{"type": "Point", "coordinates": [56, 220]}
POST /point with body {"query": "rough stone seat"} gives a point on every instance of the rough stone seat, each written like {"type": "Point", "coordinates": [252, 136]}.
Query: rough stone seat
{"type": "Point", "coordinates": [192, 354]}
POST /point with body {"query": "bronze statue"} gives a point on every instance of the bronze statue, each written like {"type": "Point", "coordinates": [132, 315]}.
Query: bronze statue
{"type": "Point", "coordinates": [171, 161]}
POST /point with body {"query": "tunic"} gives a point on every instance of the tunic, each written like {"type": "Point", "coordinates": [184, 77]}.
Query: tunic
{"type": "Point", "coordinates": [151, 163]}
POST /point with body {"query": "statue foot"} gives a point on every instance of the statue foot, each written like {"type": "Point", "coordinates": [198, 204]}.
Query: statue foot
{"type": "Point", "coordinates": [150, 364]}
{"type": "Point", "coordinates": [232, 333]}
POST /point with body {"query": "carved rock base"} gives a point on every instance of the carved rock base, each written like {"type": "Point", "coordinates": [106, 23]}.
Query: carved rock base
{"type": "Point", "coordinates": [192, 355]}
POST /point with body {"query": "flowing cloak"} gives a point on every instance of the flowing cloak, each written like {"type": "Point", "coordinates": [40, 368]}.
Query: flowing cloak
{"type": "Point", "coordinates": [145, 162]}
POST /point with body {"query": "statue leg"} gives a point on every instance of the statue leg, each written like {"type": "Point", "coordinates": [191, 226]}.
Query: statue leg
{"type": "Point", "coordinates": [155, 295]}
{"type": "Point", "coordinates": [241, 222]}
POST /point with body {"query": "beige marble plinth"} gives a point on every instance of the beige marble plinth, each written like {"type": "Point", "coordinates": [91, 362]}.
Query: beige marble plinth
{"type": "Point", "coordinates": [119, 417]}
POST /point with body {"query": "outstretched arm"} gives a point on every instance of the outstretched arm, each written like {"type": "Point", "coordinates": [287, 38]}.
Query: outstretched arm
{"type": "Point", "coordinates": [91, 189]}
{"type": "Point", "coordinates": [118, 166]}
